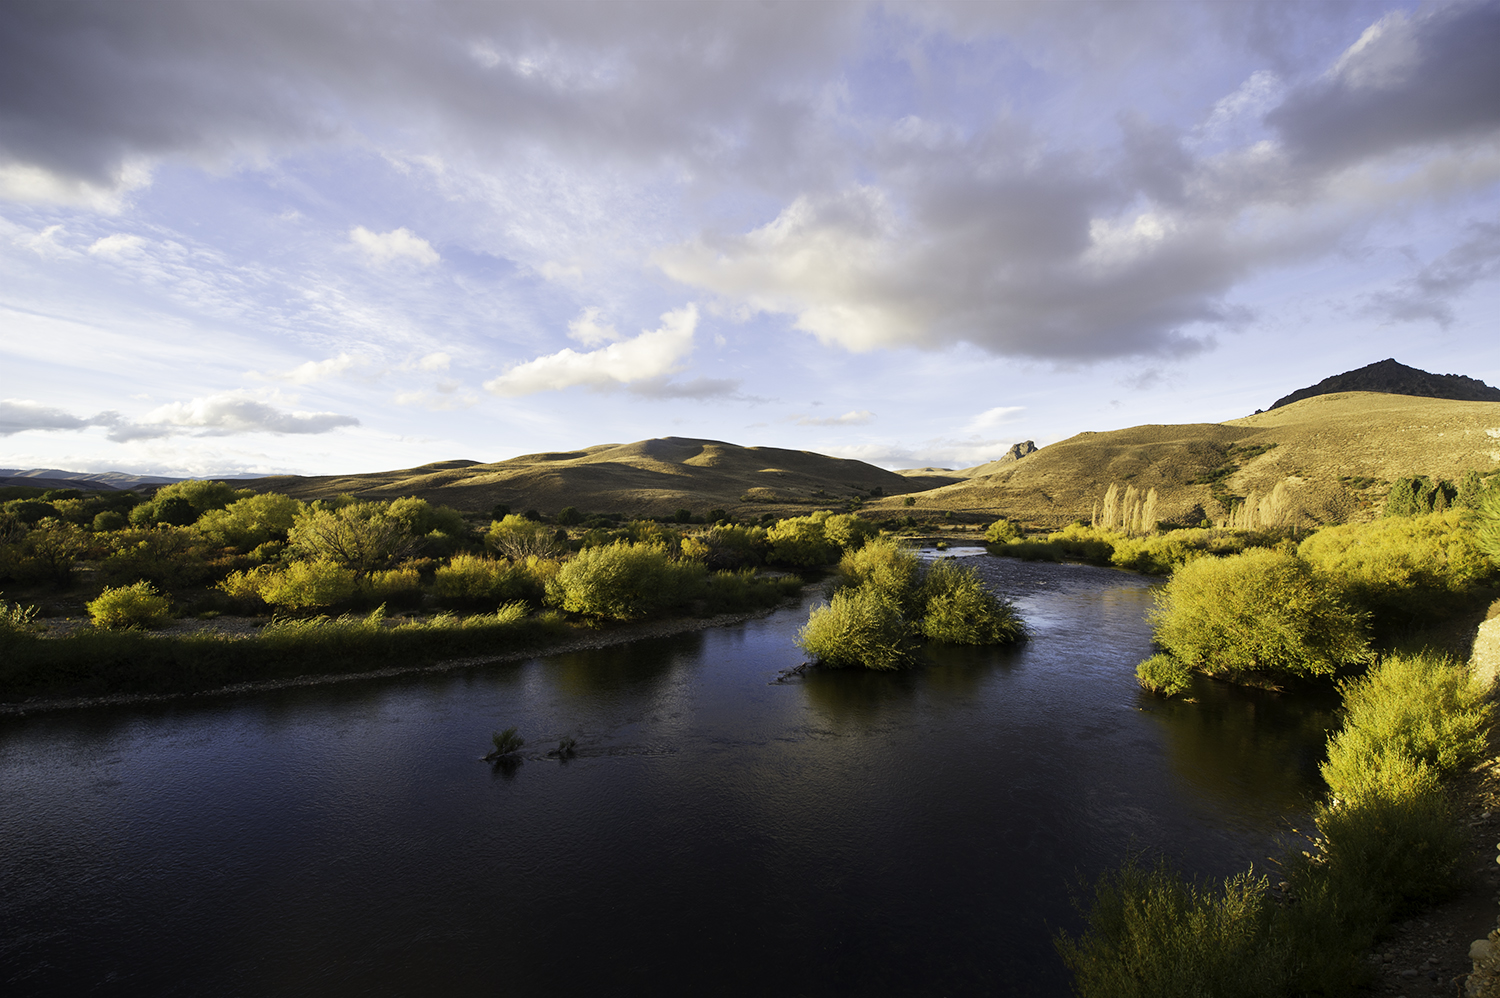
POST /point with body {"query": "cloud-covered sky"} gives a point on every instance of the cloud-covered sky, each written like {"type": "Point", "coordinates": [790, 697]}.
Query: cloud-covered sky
{"type": "Point", "coordinates": [337, 237]}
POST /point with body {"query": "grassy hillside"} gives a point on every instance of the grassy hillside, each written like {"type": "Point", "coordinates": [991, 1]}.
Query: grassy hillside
{"type": "Point", "coordinates": [647, 478]}
{"type": "Point", "coordinates": [1336, 453]}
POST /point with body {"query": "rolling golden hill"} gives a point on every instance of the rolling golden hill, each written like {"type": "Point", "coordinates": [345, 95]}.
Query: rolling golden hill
{"type": "Point", "coordinates": [1336, 453]}
{"type": "Point", "coordinates": [646, 478]}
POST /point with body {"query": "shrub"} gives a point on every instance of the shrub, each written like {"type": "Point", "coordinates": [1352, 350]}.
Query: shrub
{"type": "Point", "coordinates": [109, 520]}
{"type": "Point", "coordinates": [1163, 675]}
{"type": "Point", "coordinates": [470, 579]}
{"type": "Point", "coordinates": [520, 537]}
{"type": "Point", "coordinates": [138, 605]}
{"type": "Point", "coordinates": [182, 503]}
{"type": "Point", "coordinates": [392, 585]}
{"type": "Point", "coordinates": [888, 569]}
{"type": "Point", "coordinates": [360, 536]}
{"type": "Point", "coordinates": [800, 542]}
{"type": "Point", "coordinates": [959, 610]}
{"type": "Point", "coordinates": [1259, 612]}
{"type": "Point", "coordinates": [250, 522]}
{"type": "Point", "coordinates": [624, 582]}
{"type": "Point", "coordinates": [1410, 711]}
{"type": "Point", "coordinates": [858, 627]}
{"type": "Point", "coordinates": [300, 585]}
{"type": "Point", "coordinates": [505, 742]}
{"type": "Point", "coordinates": [1487, 525]}
{"type": "Point", "coordinates": [171, 557]}
{"type": "Point", "coordinates": [1153, 934]}
{"type": "Point", "coordinates": [1402, 569]}
{"type": "Point", "coordinates": [17, 622]}
{"type": "Point", "coordinates": [1002, 531]}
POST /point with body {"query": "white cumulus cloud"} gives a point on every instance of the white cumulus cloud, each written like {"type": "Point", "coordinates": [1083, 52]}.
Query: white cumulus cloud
{"type": "Point", "coordinates": [20, 415]}
{"type": "Point", "coordinates": [650, 355]}
{"type": "Point", "coordinates": [384, 247]}
{"type": "Point", "coordinates": [118, 245]}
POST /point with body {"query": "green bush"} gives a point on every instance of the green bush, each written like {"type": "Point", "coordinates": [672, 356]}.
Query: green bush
{"type": "Point", "coordinates": [298, 585]}
{"type": "Point", "coordinates": [172, 557]}
{"type": "Point", "coordinates": [17, 622]}
{"type": "Point", "coordinates": [138, 605]}
{"type": "Point", "coordinates": [247, 523]}
{"type": "Point", "coordinates": [109, 520]}
{"type": "Point", "coordinates": [1260, 613]}
{"type": "Point", "coordinates": [1404, 569]}
{"type": "Point", "coordinates": [1487, 525]}
{"type": "Point", "coordinates": [1002, 531]}
{"type": "Point", "coordinates": [1410, 711]}
{"type": "Point", "coordinates": [800, 542]}
{"type": "Point", "coordinates": [860, 626]}
{"type": "Point", "coordinates": [959, 610]}
{"type": "Point", "coordinates": [727, 546]}
{"type": "Point", "coordinates": [396, 586]}
{"type": "Point", "coordinates": [360, 536]}
{"type": "Point", "coordinates": [471, 579]}
{"type": "Point", "coordinates": [888, 568]}
{"type": "Point", "coordinates": [1163, 675]}
{"type": "Point", "coordinates": [1152, 934]}
{"type": "Point", "coordinates": [624, 582]}
{"type": "Point", "coordinates": [519, 538]}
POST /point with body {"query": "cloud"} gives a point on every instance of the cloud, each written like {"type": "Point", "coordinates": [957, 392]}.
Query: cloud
{"type": "Point", "coordinates": [315, 370]}
{"type": "Point", "coordinates": [118, 245]}
{"type": "Point", "coordinates": [438, 361]}
{"type": "Point", "coordinates": [587, 329]}
{"type": "Point", "coordinates": [991, 418]}
{"type": "Point", "coordinates": [939, 452]}
{"type": "Point", "coordinates": [1427, 295]}
{"type": "Point", "coordinates": [649, 355]}
{"type": "Point", "coordinates": [446, 396]}
{"type": "Point", "coordinates": [700, 389]}
{"type": "Point", "coordinates": [383, 247]}
{"type": "Point", "coordinates": [20, 415]}
{"type": "Point", "coordinates": [225, 414]}
{"type": "Point", "coordinates": [858, 417]}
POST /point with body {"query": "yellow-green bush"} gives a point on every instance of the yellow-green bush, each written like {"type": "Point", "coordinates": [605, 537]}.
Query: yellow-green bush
{"type": "Point", "coordinates": [1402, 569]}
{"type": "Point", "coordinates": [138, 605]}
{"type": "Point", "coordinates": [885, 566]}
{"type": "Point", "coordinates": [17, 622]}
{"type": "Point", "coordinates": [518, 538]}
{"type": "Point", "coordinates": [859, 626]}
{"type": "Point", "coordinates": [1002, 531]}
{"type": "Point", "coordinates": [392, 585]}
{"type": "Point", "coordinates": [1259, 612]}
{"type": "Point", "coordinates": [298, 585]}
{"type": "Point", "coordinates": [624, 582]}
{"type": "Point", "coordinates": [959, 610]}
{"type": "Point", "coordinates": [1163, 675]}
{"type": "Point", "coordinates": [250, 522]}
{"type": "Point", "coordinates": [1408, 712]}
{"type": "Point", "coordinates": [1153, 934]}
{"type": "Point", "coordinates": [468, 579]}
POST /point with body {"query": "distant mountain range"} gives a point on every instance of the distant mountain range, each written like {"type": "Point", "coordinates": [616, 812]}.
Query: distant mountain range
{"type": "Point", "coordinates": [1391, 378]}
{"type": "Point", "coordinates": [104, 481]}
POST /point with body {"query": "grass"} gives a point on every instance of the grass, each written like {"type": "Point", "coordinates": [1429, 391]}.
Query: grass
{"type": "Point", "coordinates": [95, 662]}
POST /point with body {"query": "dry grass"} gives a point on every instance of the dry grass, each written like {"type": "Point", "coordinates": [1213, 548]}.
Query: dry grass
{"type": "Point", "coordinates": [1323, 444]}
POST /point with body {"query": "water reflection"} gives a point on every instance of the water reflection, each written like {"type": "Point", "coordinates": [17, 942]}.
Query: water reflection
{"type": "Point", "coordinates": [879, 834]}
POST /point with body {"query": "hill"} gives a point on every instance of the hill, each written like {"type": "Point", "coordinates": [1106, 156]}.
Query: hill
{"type": "Point", "coordinates": [1337, 455]}
{"type": "Point", "coordinates": [646, 478]}
{"type": "Point", "coordinates": [1393, 378]}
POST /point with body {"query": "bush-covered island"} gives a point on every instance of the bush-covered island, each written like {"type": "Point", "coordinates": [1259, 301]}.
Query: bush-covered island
{"type": "Point", "coordinates": [342, 585]}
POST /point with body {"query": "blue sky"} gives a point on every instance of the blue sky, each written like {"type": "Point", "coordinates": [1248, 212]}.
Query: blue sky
{"type": "Point", "coordinates": [338, 237]}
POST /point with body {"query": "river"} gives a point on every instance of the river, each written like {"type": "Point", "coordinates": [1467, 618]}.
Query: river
{"type": "Point", "coordinates": [717, 834]}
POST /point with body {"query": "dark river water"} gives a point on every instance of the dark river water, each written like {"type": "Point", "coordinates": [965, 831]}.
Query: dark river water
{"type": "Point", "coordinates": [843, 834]}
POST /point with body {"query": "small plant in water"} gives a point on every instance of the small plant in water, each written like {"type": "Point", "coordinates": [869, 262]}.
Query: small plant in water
{"type": "Point", "coordinates": [566, 749]}
{"type": "Point", "coordinates": [507, 742]}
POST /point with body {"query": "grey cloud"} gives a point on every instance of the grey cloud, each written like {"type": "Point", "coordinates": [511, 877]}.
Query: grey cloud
{"type": "Point", "coordinates": [1427, 294]}
{"type": "Point", "coordinates": [84, 87]}
{"type": "Point", "coordinates": [1434, 78]}
{"type": "Point", "coordinates": [700, 389]}
{"type": "Point", "coordinates": [226, 414]}
{"type": "Point", "coordinates": [19, 415]}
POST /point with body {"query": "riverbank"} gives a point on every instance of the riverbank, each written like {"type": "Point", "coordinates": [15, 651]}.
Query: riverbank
{"type": "Point", "coordinates": [242, 631]}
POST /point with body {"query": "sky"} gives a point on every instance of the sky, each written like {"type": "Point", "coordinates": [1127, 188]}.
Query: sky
{"type": "Point", "coordinates": [321, 238]}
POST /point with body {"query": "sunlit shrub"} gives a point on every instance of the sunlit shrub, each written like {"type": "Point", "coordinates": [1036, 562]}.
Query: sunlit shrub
{"type": "Point", "coordinates": [859, 626]}
{"type": "Point", "coordinates": [1403, 568]}
{"type": "Point", "coordinates": [1163, 675]}
{"type": "Point", "coordinates": [1409, 710]}
{"type": "Point", "coordinates": [518, 538]}
{"type": "Point", "coordinates": [624, 582]}
{"type": "Point", "coordinates": [138, 605]}
{"type": "Point", "coordinates": [360, 536]}
{"type": "Point", "coordinates": [299, 585]}
{"type": "Point", "coordinates": [1154, 934]}
{"type": "Point", "coordinates": [392, 585]}
{"type": "Point", "coordinates": [250, 522]}
{"type": "Point", "coordinates": [472, 579]}
{"type": "Point", "coordinates": [1002, 531]}
{"type": "Point", "coordinates": [958, 609]}
{"type": "Point", "coordinates": [886, 567]}
{"type": "Point", "coordinates": [1259, 612]}
{"type": "Point", "coordinates": [17, 622]}
{"type": "Point", "coordinates": [800, 542]}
